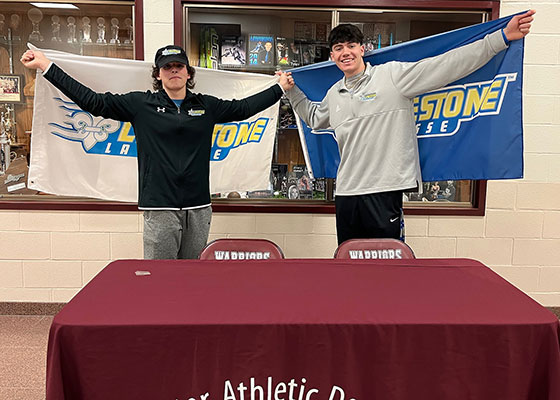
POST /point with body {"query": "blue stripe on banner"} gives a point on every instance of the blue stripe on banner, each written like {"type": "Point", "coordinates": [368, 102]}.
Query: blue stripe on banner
{"type": "Point", "coordinates": [478, 144]}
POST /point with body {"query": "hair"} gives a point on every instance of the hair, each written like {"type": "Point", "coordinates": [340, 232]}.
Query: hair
{"type": "Point", "coordinates": [345, 33]}
{"type": "Point", "coordinates": [157, 85]}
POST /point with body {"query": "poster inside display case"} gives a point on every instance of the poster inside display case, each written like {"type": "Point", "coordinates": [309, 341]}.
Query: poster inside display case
{"type": "Point", "coordinates": [218, 46]}
{"type": "Point", "coordinates": [103, 30]}
{"type": "Point", "coordinates": [233, 53]}
{"type": "Point", "coordinates": [261, 50]}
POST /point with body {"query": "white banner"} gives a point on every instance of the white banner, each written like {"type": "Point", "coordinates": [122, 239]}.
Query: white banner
{"type": "Point", "coordinates": [76, 154]}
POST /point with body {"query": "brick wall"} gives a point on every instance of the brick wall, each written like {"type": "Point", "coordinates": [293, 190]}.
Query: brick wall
{"type": "Point", "coordinates": [49, 256]}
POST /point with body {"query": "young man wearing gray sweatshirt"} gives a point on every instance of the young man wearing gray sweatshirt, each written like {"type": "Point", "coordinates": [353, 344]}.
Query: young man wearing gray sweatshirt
{"type": "Point", "coordinates": [371, 112]}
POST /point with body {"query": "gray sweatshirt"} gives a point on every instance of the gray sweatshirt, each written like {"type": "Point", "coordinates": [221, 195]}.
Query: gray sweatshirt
{"type": "Point", "coordinates": [374, 121]}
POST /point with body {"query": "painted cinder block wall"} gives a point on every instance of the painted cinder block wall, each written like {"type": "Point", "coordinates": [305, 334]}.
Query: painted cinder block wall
{"type": "Point", "coordinates": [49, 256]}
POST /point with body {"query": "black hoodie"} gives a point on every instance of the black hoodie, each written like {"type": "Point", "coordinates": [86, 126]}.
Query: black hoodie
{"type": "Point", "coordinates": [173, 144]}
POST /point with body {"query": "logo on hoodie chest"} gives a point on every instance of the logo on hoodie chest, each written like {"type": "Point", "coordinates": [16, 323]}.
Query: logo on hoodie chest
{"type": "Point", "coordinates": [368, 96]}
{"type": "Point", "coordinates": [196, 113]}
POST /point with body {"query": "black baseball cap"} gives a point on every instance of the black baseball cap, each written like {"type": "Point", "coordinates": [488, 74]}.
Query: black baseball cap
{"type": "Point", "coordinates": [169, 54]}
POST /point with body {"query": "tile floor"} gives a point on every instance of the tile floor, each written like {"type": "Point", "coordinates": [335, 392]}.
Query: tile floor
{"type": "Point", "coordinates": [23, 355]}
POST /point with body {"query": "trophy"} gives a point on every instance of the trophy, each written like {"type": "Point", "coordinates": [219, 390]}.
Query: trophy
{"type": "Point", "coordinates": [35, 15]}
{"type": "Point", "coordinates": [55, 29]}
{"type": "Point", "coordinates": [71, 21]}
{"type": "Point", "coordinates": [14, 24]}
{"type": "Point", "coordinates": [129, 31]}
{"type": "Point", "coordinates": [4, 153]}
{"type": "Point", "coordinates": [101, 30]}
{"type": "Point", "coordinates": [6, 126]}
{"type": "Point", "coordinates": [86, 27]}
{"type": "Point", "coordinates": [114, 31]}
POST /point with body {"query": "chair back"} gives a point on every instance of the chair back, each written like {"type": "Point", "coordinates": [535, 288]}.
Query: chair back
{"type": "Point", "coordinates": [373, 249]}
{"type": "Point", "coordinates": [241, 249]}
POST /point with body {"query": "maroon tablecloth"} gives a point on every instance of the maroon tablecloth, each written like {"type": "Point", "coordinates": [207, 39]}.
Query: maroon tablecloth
{"type": "Point", "coordinates": [303, 330]}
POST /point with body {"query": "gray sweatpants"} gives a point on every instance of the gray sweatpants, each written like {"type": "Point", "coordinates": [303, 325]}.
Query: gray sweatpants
{"type": "Point", "coordinates": [176, 234]}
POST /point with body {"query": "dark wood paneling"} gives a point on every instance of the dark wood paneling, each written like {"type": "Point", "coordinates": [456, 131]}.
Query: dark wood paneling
{"type": "Point", "coordinates": [417, 4]}
{"type": "Point", "coordinates": [254, 206]}
{"type": "Point", "coordinates": [139, 29]}
{"type": "Point", "coordinates": [178, 23]}
{"type": "Point", "coordinates": [289, 149]}
{"type": "Point", "coordinates": [420, 29]}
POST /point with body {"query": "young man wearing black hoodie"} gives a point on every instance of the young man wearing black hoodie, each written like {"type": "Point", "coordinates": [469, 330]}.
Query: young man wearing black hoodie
{"type": "Point", "coordinates": [173, 128]}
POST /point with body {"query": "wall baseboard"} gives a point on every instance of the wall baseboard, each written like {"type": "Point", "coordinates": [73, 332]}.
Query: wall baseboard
{"type": "Point", "coordinates": [31, 308]}
{"type": "Point", "coordinates": [555, 311]}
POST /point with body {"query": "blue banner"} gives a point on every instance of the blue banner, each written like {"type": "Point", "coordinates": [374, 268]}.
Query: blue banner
{"type": "Point", "coordinates": [471, 129]}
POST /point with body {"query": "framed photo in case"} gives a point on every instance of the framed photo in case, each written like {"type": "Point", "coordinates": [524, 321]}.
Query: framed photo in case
{"type": "Point", "coordinates": [11, 88]}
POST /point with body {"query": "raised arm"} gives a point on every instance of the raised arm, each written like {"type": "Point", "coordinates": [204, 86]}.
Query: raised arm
{"type": "Point", "coordinates": [316, 116]}
{"type": "Point", "coordinates": [107, 105]}
{"type": "Point", "coordinates": [413, 79]}
{"type": "Point", "coordinates": [238, 110]}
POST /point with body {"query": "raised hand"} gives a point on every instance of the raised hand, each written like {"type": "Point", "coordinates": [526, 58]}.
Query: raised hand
{"type": "Point", "coordinates": [285, 80]}
{"type": "Point", "coordinates": [518, 27]}
{"type": "Point", "coordinates": [34, 59]}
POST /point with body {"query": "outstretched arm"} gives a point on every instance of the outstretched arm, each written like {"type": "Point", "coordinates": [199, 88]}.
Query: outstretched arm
{"type": "Point", "coordinates": [432, 73]}
{"type": "Point", "coordinates": [107, 105]}
{"type": "Point", "coordinates": [519, 26]}
{"type": "Point", "coordinates": [314, 115]}
{"type": "Point", "coordinates": [238, 110]}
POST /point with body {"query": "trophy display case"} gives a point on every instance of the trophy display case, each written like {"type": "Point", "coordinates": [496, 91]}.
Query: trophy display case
{"type": "Point", "coordinates": [104, 30]}
{"type": "Point", "coordinates": [252, 38]}
{"type": "Point", "coordinates": [267, 39]}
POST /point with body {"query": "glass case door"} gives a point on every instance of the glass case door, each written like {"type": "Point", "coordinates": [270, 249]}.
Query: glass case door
{"type": "Point", "coordinates": [265, 40]}
{"type": "Point", "coordinates": [80, 28]}
{"type": "Point", "coordinates": [240, 37]}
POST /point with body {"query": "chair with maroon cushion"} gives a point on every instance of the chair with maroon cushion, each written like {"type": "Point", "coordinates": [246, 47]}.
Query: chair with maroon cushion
{"type": "Point", "coordinates": [373, 249]}
{"type": "Point", "coordinates": [241, 249]}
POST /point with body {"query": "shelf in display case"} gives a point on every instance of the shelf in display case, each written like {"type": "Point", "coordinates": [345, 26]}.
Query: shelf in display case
{"type": "Point", "coordinates": [67, 29]}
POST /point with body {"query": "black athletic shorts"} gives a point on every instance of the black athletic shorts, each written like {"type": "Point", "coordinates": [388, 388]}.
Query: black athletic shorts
{"type": "Point", "coordinates": [376, 215]}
